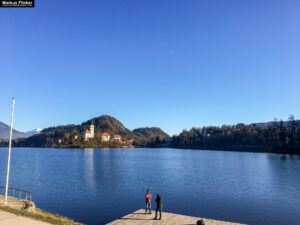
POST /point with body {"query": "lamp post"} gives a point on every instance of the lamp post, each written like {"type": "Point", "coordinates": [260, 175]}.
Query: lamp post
{"type": "Point", "coordinates": [9, 150]}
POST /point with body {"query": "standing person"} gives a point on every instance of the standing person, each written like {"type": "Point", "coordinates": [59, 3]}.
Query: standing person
{"type": "Point", "coordinates": [158, 206]}
{"type": "Point", "coordinates": [148, 201]}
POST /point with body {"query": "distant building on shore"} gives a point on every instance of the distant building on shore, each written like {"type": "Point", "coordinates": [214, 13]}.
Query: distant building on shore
{"type": "Point", "coordinates": [105, 136]}
{"type": "Point", "coordinates": [117, 137]}
{"type": "Point", "coordinates": [88, 134]}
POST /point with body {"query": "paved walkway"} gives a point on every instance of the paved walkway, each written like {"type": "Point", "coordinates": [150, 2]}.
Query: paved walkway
{"type": "Point", "coordinates": [139, 218]}
{"type": "Point", "coordinates": [7, 218]}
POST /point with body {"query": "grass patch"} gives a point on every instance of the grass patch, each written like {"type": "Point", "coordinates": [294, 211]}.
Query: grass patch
{"type": "Point", "coordinates": [41, 216]}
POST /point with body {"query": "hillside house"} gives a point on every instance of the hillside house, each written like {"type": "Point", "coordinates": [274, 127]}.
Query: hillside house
{"type": "Point", "coordinates": [105, 136]}
{"type": "Point", "coordinates": [117, 137]}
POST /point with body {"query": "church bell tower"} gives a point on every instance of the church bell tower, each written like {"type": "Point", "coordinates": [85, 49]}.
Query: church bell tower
{"type": "Point", "coordinates": [92, 130]}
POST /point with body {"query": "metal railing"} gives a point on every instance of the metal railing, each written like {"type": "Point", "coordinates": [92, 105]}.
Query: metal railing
{"type": "Point", "coordinates": [17, 193]}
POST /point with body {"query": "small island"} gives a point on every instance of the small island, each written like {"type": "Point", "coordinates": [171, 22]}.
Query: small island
{"type": "Point", "coordinates": [100, 132]}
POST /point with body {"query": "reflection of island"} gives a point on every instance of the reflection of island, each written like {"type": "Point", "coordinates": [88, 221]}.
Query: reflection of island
{"type": "Point", "coordinates": [106, 169]}
{"type": "Point", "coordinates": [101, 167]}
{"type": "Point", "coordinates": [89, 168]}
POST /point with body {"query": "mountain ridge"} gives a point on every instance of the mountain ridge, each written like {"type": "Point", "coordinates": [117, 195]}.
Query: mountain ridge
{"type": "Point", "coordinates": [5, 131]}
{"type": "Point", "coordinates": [271, 123]}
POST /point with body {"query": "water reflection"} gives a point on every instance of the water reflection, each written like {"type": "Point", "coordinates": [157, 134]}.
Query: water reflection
{"type": "Point", "coordinates": [89, 171]}
{"type": "Point", "coordinates": [102, 168]}
{"type": "Point", "coordinates": [108, 167]}
{"type": "Point", "coordinates": [283, 157]}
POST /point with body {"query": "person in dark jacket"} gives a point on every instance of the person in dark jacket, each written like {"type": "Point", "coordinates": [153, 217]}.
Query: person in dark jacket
{"type": "Point", "coordinates": [158, 206]}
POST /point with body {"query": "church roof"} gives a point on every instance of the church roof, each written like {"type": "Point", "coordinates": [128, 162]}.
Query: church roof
{"type": "Point", "coordinates": [87, 131]}
{"type": "Point", "coordinates": [117, 136]}
{"type": "Point", "coordinates": [105, 134]}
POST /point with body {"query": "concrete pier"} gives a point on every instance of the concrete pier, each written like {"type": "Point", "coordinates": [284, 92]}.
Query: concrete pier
{"type": "Point", "coordinates": [139, 218]}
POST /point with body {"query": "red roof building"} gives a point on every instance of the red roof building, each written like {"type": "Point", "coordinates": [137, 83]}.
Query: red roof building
{"type": "Point", "coordinates": [117, 137]}
{"type": "Point", "coordinates": [88, 133]}
{"type": "Point", "coordinates": [105, 136]}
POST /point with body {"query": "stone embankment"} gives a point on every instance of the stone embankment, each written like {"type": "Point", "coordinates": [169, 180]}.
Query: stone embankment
{"type": "Point", "coordinates": [20, 204]}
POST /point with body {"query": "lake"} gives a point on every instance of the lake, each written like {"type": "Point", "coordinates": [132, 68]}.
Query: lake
{"type": "Point", "coordinates": [96, 186]}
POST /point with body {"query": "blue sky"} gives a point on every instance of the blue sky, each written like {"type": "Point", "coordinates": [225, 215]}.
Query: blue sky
{"type": "Point", "coordinates": [168, 63]}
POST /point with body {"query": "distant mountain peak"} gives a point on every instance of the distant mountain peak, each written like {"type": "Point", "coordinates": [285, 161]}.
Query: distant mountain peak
{"type": "Point", "coordinates": [5, 130]}
{"type": "Point", "coordinates": [33, 132]}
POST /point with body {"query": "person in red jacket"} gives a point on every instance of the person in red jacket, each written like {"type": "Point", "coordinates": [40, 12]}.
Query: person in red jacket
{"type": "Point", "coordinates": [148, 201]}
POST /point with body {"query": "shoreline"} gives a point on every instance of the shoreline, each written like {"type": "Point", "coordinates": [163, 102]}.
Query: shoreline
{"type": "Point", "coordinates": [139, 147]}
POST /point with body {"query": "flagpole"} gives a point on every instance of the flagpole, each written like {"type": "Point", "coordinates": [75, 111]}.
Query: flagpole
{"type": "Point", "coordinates": [9, 150]}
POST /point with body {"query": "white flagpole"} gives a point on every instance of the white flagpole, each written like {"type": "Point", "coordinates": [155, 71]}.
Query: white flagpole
{"type": "Point", "coordinates": [9, 149]}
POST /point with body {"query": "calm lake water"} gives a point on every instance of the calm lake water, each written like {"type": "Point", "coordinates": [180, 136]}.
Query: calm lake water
{"type": "Point", "coordinates": [96, 186]}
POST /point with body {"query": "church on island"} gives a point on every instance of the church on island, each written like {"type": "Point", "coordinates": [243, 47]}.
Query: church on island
{"type": "Point", "coordinates": [90, 134]}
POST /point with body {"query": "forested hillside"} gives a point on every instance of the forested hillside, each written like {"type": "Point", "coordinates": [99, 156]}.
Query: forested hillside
{"type": "Point", "coordinates": [150, 136]}
{"type": "Point", "coordinates": [278, 137]}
